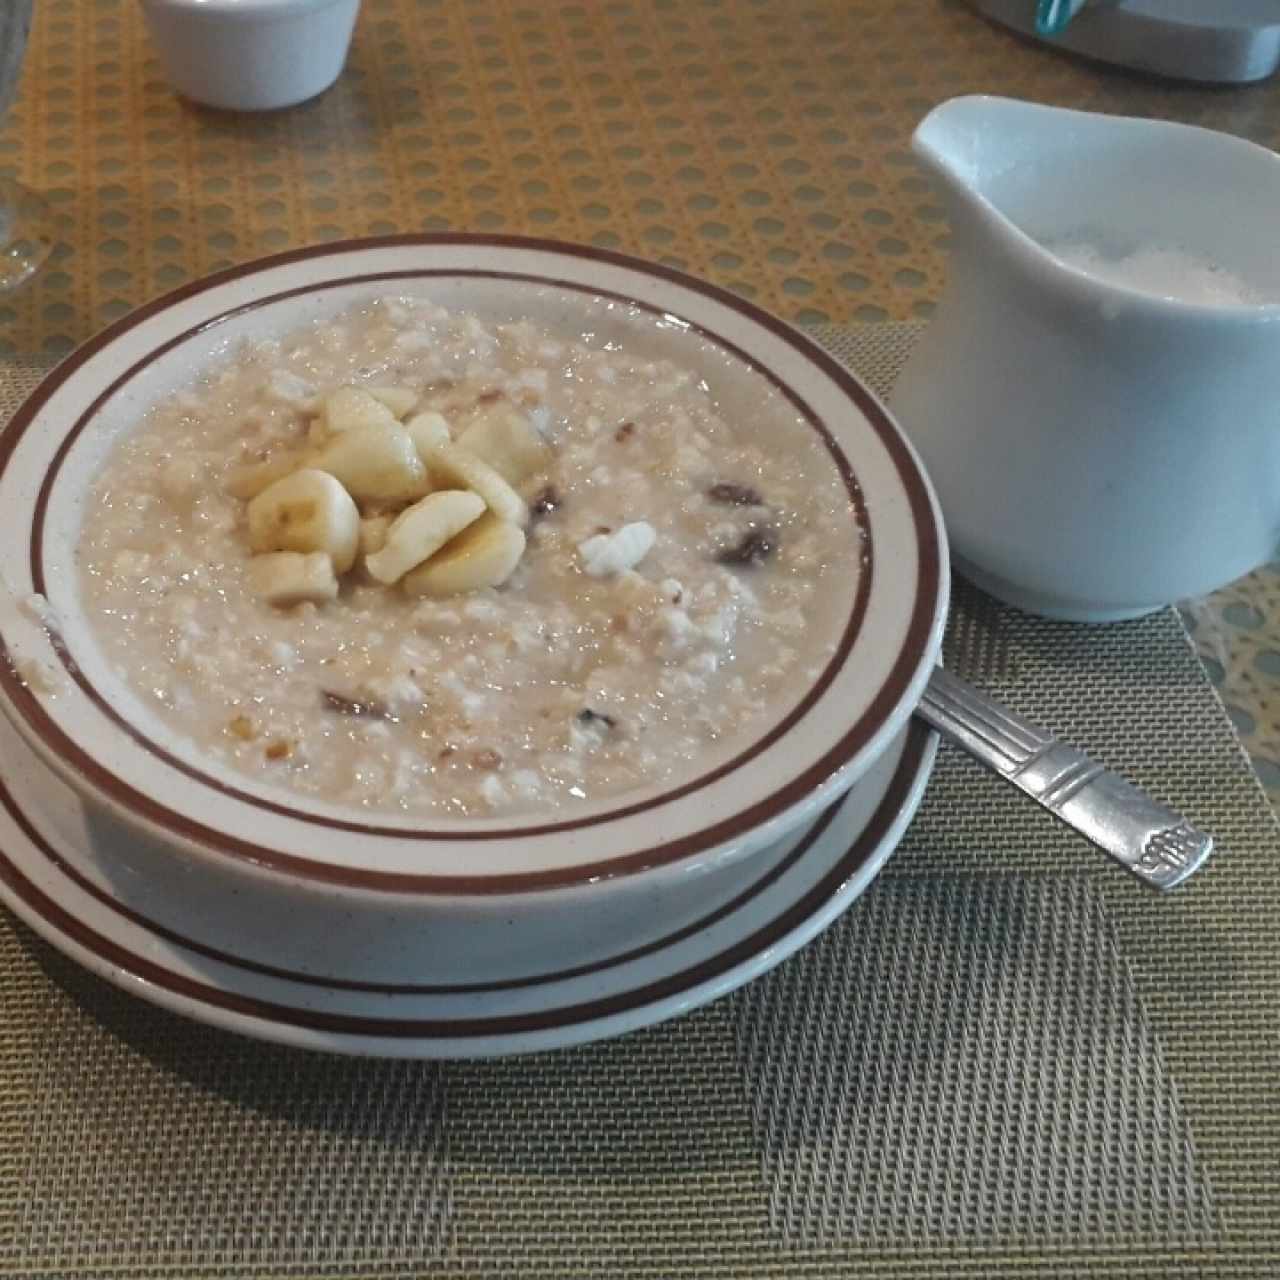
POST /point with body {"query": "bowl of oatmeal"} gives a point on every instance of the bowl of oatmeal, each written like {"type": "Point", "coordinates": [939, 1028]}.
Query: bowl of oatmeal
{"type": "Point", "coordinates": [456, 570]}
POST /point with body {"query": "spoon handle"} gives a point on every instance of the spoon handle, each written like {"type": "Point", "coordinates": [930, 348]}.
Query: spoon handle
{"type": "Point", "coordinates": [1149, 840]}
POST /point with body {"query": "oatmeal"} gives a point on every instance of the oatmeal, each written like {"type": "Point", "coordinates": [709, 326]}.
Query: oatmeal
{"type": "Point", "coordinates": [414, 561]}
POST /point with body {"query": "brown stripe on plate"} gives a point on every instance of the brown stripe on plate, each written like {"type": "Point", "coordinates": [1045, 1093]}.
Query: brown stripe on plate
{"type": "Point", "coordinates": [127, 965]}
{"type": "Point", "coordinates": [151, 810]}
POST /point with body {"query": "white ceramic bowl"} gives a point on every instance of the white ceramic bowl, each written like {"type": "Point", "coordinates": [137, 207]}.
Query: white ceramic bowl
{"type": "Point", "coordinates": [251, 55]}
{"type": "Point", "coordinates": [213, 855]}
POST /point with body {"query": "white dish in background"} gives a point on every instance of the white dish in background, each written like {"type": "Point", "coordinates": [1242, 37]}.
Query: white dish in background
{"type": "Point", "coordinates": [251, 55]}
{"type": "Point", "coordinates": [374, 897]}
{"type": "Point", "coordinates": [775, 912]}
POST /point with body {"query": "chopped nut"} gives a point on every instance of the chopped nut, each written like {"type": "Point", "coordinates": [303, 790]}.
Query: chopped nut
{"type": "Point", "coordinates": [546, 501]}
{"type": "Point", "coordinates": [625, 432]}
{"type": "Point", "coordinates": [610, 553]}
{"type": "Point", "coordinates": [487, 758]}
{"type": "Point", "coordinates": [756, 546]}
{"type": "Point", "coordinates": [242, 727]}
{"type": "Point", "coordinates": [588, 716]}
{"type": "Point", "coordinates": [735, 495]}
{"type": "Point", "coordinates": [354, 707]}
{"type": "Point", "coordinates": [278, 749]}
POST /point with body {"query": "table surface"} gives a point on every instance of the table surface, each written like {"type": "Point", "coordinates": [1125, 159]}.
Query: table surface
{"type": "Point", "coordinates": [759, 144]}
{"type": "Point", "coordinates": [764, 145]}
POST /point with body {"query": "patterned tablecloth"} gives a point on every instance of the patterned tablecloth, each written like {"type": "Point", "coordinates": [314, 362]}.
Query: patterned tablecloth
{"type": "Point", "coordinates": [762, 144]}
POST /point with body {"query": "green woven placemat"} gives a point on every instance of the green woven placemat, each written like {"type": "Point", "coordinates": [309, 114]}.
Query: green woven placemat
{"type": "Point", "coordinates": [1006, 1059]}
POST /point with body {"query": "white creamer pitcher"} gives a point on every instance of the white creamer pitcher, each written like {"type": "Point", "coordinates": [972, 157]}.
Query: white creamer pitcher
{"type": "Point", "coordinates": [1097, 397]}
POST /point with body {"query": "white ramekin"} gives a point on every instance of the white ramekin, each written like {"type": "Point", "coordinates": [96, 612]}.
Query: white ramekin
{"type": "Point", "coordinates": [251, 55]}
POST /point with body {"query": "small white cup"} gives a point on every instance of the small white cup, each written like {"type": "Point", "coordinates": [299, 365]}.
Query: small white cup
{"type": "Point", "coordinates": [251, 55]}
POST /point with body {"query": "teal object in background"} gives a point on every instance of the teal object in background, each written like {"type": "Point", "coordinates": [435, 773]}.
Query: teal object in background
{"type": "Point", "coordinates": [1053, 15]}
{"type": "Point", "coordinates": [1209, 41]}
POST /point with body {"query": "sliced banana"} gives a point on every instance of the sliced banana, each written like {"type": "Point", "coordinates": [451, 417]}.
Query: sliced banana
{"type": "Point", "coordinates": [373, 534]}
{"type": "Point", "coordinates": [306, 511]}
{"type": "Point", "coordinates": [376, 462]}
{"type": "Point", "coordinates": [352, 407]}
{"type": "Point", "coordinates": [248, 481]}
{"type": "Point", "coordinates": [400, 400]}
{"type": "Point", "coordinates": [418, 533]}
{"type": "Point", "coordinates": [484, 554]}
{"type": "Point", "coordinates": [502, 435]}
{"type": "Point", "coordinates": [286, 578]}
{"type": "Point", "coordinates": [449, 464]}
{"type": "Point", "coordinates": [427, 430]}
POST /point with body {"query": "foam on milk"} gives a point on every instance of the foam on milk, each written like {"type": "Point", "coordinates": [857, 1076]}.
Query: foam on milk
{"type": "Point", "coordinates": [1172, 274]}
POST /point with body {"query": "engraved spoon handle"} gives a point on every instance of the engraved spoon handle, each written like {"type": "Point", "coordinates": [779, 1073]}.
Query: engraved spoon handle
{"type": "Point", "coordinates": [1149, 840]}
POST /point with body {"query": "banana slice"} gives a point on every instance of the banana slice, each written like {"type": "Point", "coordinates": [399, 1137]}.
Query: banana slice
{"type": "Point", "coordinates": [449, 464]}
{"type": "Point", "coordinates": [400, 400]}
{"type": "Point", "coordinates": [251, 479]}
{"type": "Point", "coordinates": [501, 435]}
{"type": "Point", "coordinates": [373, 534]}
{"type": "Point", "coordinates": [427, 430]}
{"type": "Point", "coordinates": [418, 533]}
{"type": "Point", "coordinates": [484, 554]}
{"type": "Point", "coordinates": [285, 578]}
{"type": "Point", "coordinates": [376, 462]}
{"type": "Point", "coordinates": [351, 407]}
{"type": "Point", "coordinates": [306, 511]}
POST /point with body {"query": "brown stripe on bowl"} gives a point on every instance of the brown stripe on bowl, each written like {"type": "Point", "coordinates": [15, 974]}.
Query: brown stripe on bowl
{"type": "Point", "coordinates": [70, 754]}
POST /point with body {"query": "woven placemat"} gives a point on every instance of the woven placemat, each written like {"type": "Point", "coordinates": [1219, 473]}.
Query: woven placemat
{"type": "Point", "coordinates": [1006, 1059]}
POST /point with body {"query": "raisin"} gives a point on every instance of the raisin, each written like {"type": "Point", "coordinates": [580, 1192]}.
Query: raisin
{"type": "Point", "coordinates": [625, 432]}
{"type": "Point", "coordinates": [278, 750]}
{"type": "Point", "coordinates": [351, 707]}
{"type": "Point", "coordinates": [489, 397]}
{"type": "Point", "coordinates": [756, 546]}
{"type": "Point", "coordinates": [547, 501]}
{"type": "Point", "coordinates": [735, 495]}
{"type": "Point", "coordinates": [587, 716]}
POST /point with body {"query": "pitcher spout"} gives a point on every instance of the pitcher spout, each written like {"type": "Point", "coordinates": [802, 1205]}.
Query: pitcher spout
{"type": "Point", "coordinates": [977, 147]}
{"type": "Point", "coordinates": [1068, 194]}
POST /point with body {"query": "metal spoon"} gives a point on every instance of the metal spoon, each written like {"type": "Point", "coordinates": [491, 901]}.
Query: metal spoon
{"type": "Point", "coordinates": [1152, 842]}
